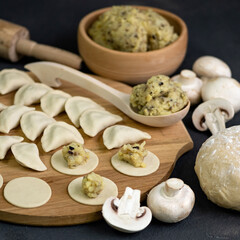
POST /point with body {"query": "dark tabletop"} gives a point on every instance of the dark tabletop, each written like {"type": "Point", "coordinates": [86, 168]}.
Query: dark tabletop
{"type": "Point", "coordinates": [213, 30]}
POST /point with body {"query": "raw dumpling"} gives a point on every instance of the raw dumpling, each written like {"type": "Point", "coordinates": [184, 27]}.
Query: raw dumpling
{"type": "Point", "coordinates": [58, 134]}
{"type": "Point", "coordinates": [33, 123]}
{"type": "Point", "coordinates": [2, 106]}
{"type": "Point", "coordinates": [94, 120]}
{"type": "Point", "coordinates": [30, 93]}
{"type": "Point", "coordinates": [12, 79]}
{"type": "Point", "coordinates": [10, 117]}
{"type": "Point", "coordinates": [6, 142]}
{"type": "Point", "coordinates": [53, 102]}
{"type": "Point", "coordinates": [27, 155]}
{"type": "Point", "coordinates": [75, 106]}
{"type": "Point", "coordinates": [118, 135]}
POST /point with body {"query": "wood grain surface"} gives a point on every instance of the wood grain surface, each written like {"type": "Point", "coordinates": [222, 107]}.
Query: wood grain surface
{"type": "Point", "coordinates": [167, 143]}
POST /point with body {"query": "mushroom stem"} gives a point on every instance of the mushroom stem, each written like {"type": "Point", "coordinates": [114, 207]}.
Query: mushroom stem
{"type": "Point", "coordinates": [129, 203]}
{"type": "Point", "coordinates": [125, 214]}
{"type": "Point", "coordinates": [212, 115]}
{"type": "Point", "coordinates": [173, 186]}
{"type": "Point", "coordinates": [215, 121]}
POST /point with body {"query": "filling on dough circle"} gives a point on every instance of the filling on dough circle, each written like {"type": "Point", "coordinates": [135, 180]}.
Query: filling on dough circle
{"type": "Point", "coordinates": [150, 161]}
{"type": "Point", "coordinates": [60, 164]}
{"type": "Point", "coordinates": [27, 192]}
{"type": "Point", "coordinates": [75, 192]}
{"type": "Point", "coordinates": [92, 185]}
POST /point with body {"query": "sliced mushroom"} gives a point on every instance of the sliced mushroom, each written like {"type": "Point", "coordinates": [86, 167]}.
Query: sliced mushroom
{"type": "Point", "coordinates": [222, 87]}
{"type": "Point", "coordinates": [190, 84]}
{"type": "Point", "coordinates": [171, 201]}
{"type": "Point", "coordinates": [211, 67]}
{"type": "Point", "coordinates": [125, 214]}
{"type": "Point", "coordinates": [212, 115]}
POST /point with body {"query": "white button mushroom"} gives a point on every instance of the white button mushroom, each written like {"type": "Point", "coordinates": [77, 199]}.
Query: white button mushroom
{"type": "Point", "coordinates": [211, 67]}
{"type": "Point", "coordinates": [125, 214]}
{"type": "Point", "coordinates": [171, 201]}
{"type": "Point", "coordinates": [212, 115]}
{"type": "Point", "coordinates": [190, 84]}
{"type": "Point", "coordinates": [222, 87]}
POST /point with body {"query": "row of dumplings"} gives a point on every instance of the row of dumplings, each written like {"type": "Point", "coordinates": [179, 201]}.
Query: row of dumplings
{"type": "Point", "coordinates": [57, 133]}
{"type": "Point", "coordinates": [33, 123]}
{"type": "Point", "coordinates": [53, 102]}
{"type": "Point", "coordinates": [81, 111]}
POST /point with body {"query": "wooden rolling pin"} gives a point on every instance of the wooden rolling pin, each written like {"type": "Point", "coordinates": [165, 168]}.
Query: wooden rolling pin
{"type": "Point", "coordinates": [15, 42]}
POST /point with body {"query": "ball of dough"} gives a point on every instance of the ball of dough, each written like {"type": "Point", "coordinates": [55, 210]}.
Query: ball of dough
{"type": "Point", "coordinates": [218, 168]}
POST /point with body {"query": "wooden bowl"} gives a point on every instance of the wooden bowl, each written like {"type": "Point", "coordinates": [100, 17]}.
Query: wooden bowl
{"type": "Point", "coordinates": [129, 67]}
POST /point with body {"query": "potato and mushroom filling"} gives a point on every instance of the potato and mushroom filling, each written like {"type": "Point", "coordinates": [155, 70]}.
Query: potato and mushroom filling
{"type": "Point", "coordinates": [92, 185]}
{"type": "Point", "coordinates": [133, 154]}
{"type": "Point", "coordinates": [159, 96]}
{"type": "Point", "coordinates": [75, 154]}
{"type": "Point", "coordinates": [129, 29]}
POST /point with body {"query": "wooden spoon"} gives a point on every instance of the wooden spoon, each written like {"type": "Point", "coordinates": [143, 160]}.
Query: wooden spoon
{"type": "Point", "coordinates": [50, 73]}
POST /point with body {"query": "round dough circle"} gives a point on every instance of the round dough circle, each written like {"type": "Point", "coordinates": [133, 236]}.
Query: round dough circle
{"type": "Point", "coordinates": [27, 192]}
{"type": "Point", "coordinates": [218, 168]}
{"type": "Point", "coordinates": [60, 164]}
{"type": "Point", "coordinates": [1, 180]}
{"type": "Point", "coordinates": [151, 160]}
{"type": "Point", "coordinates": [75, 191]}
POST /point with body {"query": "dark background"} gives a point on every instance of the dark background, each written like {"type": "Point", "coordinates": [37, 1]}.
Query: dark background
{"type": "Point", "coordinates": [213, 30]}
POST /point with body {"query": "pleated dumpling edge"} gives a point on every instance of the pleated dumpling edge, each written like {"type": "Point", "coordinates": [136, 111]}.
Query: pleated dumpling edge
{"type": "Point", "coordinates": [59, 133]}
{"type": "Point", "coordinates": [118, 135]}
{"type": "Point", "coordinates": [10, 117]}
{"type": "Point", "coordinates": [34, 122]}
{"type": "Point", "coordinates": [12, 79]}
{"type": "Point", "coordinates": [93, 121]}
{"type": "Point", "coordinates": [30, 93]}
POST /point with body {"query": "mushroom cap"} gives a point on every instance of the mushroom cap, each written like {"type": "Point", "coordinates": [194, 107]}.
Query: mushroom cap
{"type": "Point", "coordinates": [125, 223]}
{"type": "Point", "coordinates": [210, 106]}
{"type": "Point", "coordinates": [190, 84]}
{"type": "Point", "coordinates": [222, 87]}
{"type": "Point", "coordinates": [210, 67]}
{"type": "Point", "coordinates": [174, 208]}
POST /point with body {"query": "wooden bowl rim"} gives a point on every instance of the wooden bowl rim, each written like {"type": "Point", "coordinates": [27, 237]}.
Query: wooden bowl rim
{"type": "Point", "coordinates": [85, 20]}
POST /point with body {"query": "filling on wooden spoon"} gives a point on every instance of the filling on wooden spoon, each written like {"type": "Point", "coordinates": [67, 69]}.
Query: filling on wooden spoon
{"type": "Point", "coordinates": [159, 96]}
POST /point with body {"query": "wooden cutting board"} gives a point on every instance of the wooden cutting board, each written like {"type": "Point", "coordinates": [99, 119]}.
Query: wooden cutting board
{"type": "Point", "coordinates": [167, 143]}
